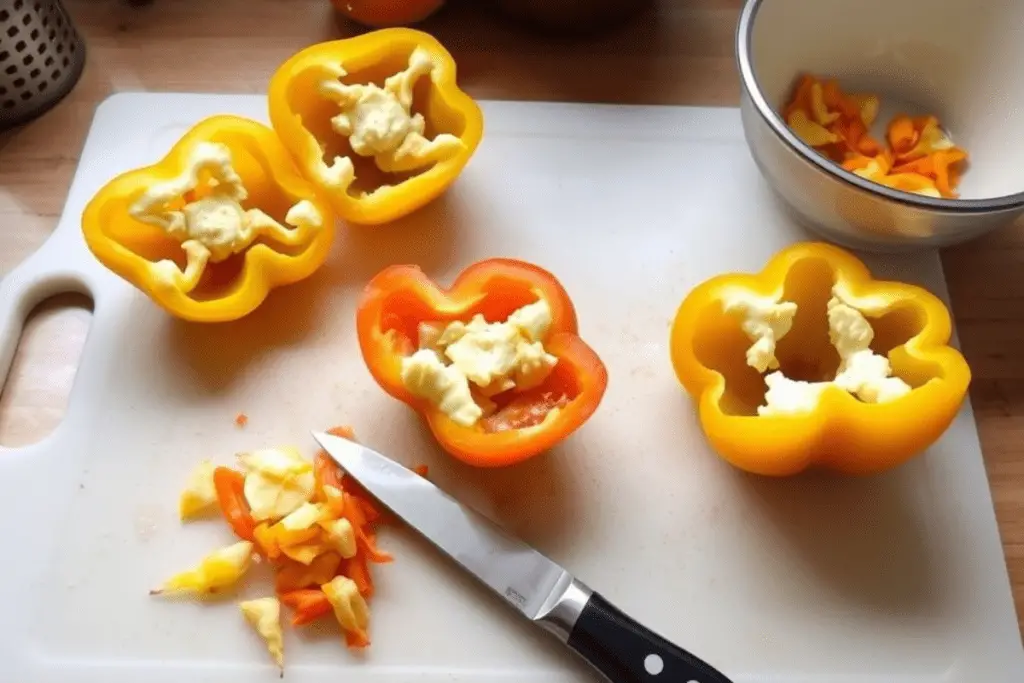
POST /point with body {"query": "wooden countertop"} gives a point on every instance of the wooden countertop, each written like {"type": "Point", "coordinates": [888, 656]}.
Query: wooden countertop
{"type": "Point", "coordinates": [680, 55]}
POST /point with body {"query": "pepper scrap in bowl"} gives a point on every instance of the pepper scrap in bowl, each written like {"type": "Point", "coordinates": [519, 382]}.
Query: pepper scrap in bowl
{"type": "Point", "coordinates": [917, 155]}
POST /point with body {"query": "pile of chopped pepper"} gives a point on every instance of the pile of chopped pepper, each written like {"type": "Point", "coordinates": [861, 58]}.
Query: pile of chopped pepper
{"type": "Point", "coordinates": [311, 523]}
{"type": "Point", "coordinates": [918, 158]}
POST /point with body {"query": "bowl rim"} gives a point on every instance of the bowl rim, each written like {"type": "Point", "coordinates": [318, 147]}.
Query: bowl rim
{"type": "Point", "coordinates": [744, 36]}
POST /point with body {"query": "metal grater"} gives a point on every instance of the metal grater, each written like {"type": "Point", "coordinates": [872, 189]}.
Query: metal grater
{"type": "Point", "coordinates": [41, 58]}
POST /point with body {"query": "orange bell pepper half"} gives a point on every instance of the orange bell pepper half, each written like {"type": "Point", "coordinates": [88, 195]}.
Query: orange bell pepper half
{"type": "Point", "coordinates": [229, 485]}
{"type": "Point", "coordinates": [399, 298]}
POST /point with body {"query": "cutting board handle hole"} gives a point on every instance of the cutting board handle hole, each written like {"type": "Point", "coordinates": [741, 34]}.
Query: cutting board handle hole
{"type": "Point", "coordinates": [36, 389]}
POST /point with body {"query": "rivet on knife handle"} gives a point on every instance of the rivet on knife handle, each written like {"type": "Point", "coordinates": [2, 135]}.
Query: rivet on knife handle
{"type": "Point", "coordinates": [626, 652]}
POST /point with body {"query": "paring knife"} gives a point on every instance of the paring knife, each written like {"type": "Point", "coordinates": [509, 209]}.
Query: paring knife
{"type": "Point", "coordinates": [613, 643]}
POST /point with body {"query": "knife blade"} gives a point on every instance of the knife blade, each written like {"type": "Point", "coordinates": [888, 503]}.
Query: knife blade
{"type": "Point", "coordinates": [614, 644]}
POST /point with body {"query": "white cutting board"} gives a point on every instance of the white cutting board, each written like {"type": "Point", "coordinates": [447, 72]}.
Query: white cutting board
{"type": "Point", "coordinates": [894, 579]}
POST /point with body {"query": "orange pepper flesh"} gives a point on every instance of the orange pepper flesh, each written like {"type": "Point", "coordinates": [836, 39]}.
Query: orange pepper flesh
{"type": "Point", "coordinates": [920, 168]}
{"type": "Point", "coordinates": [378, 13]}
{"type": "Point", "coordinates": [229, 485]}
{"type": "Point", "coordinates": [358, 570]}
{"type": "Point", "coordinates": [295, 575]}
{"type": "Point", "coordinates": [911, 327]}
{"type": "Point", "coordinates": [801, 100]}
{"type": "Point", "coordinates": [309, 604]}
{"type": "Point", "coordinates": [354, 511]}
{"type": "Point", "coordinates": [923, 166]}
{"type": "Point", "coordinates": [328, 473]}
{"type": "Point", "coordinates": [301, 116]}
{"type": "Point", "coordinates": [945, 179]}
{"type": "Point", "coordinates": [357, 638]}
{"type": "Point", "coordinates": [399, 298]}
{"type": "Point", "coordinates": [902, 135]}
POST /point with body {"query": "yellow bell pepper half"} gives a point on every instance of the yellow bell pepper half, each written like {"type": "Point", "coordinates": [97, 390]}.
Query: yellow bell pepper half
{"type": "Point", "coordinates": [841, 432]}
{"type": "Point", "coordinates": [376, 121]}
{"type": "Point", "coordinates": [210, 229]}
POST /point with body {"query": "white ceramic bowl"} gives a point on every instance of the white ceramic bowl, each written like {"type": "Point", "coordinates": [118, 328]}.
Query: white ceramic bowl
{"type": "Point", "coordinates": [960, 60]}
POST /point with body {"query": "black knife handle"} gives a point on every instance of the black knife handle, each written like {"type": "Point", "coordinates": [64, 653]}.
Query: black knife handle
{"type": "Point", "coordinates": [626, 652]}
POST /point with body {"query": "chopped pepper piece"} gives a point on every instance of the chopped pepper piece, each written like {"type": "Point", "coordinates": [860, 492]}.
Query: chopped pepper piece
{"type": "Point", "coordinates": [218, 570]}
{"type": "Point", "coordinates": [395, 322]}
{"type": "Point", "coordinates": [902, 135]}
{"type": "Point", "coordinates": [295, 575]}
{"type": "Point", "coordinates": [309, 604]}
{"type": "Point", "coordinates": [811, 132]}
{"type": "Point", "coordinates": [278, 481]}
{"type": "Point", "coordinates": [229, 485]}
{"type": "Point", "coordinates": [264, 615]}
{"type": "Point", "coordinates": [200, 494]}
{"type": "Point", "coordinates": [349, 609]}
{"type": "Point", "coordinates": [275, 539]}
{"type": "Point", "coordinates": [376, 121]}
{"type": "Point", "coordinates": [306, 553]}
{"type": "Point", "coordinates": [872, 380]}
{"type": "Point", "coordinates": [211, 228]}
{"type": "Point", "coordinates": [928, 137]}
{"type": "Point", "coordinates": [328, 474]}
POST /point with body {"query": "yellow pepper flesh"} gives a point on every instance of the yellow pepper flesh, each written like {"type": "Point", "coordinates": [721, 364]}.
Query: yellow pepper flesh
{"type": "Point", "coordinates": [236, 286]}
{"type": "Point", "coordinates": [912, 327]}
{"type": "Point", "coordinates": [301, 115]}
